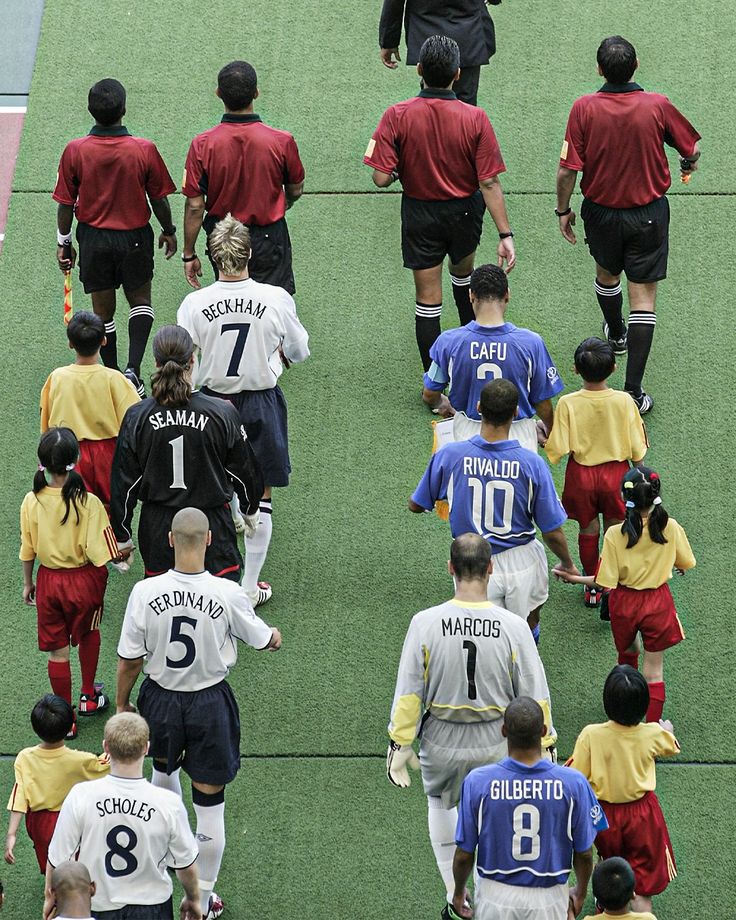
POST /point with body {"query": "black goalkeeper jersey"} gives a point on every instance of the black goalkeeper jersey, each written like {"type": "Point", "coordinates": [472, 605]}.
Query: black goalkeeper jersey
{"type": "Point", "coordinates": [190, 457]}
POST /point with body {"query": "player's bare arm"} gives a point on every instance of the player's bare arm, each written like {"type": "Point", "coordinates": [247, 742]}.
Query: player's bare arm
{"type": "Point", "coordinates": [556, 541]}
{"type": "Point", "coordinates": [29, 589]}
{"type": "Point", "coordinates": [382, 179]}
{"type": "Point", "coordinates": [417, 509]}
{"type": "Point", "coordinates": [189, 909]}
{"type": "Point", "coordinates": [390, 57]}
{"type": "Point", "coordinates": [193, 217]}
{"type": "Point", "coordinates": [566, 179]}
{"type": "Point", "coordinates": [293, 193]}
{"type": "Point", "coordinates": [167, 240]}
{"type": "Point", "coordinates": [64, 218]}
{"type": "Point", "coordinates": [275, 644]}
{"type": "Point", "coordinates": [462, 866]}
{"type": "Point", "coordinates": [689, 163]}
{"type": "Point", "coordinates": [496, 206]}
{"type": "Point", "coordinates": [546, 413]}
{"type": "Point", "coordinates": [583, 865]}
{"type": "Point", "coordinates": [128, 671]}
{"type": "Point", "coordinates": [13, 824]}
{"type": "Point", "coordinates": [438, 403]}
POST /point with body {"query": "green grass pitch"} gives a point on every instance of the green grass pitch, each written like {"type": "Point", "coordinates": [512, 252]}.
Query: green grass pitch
{"type": "Point", "coordinates": [313, 825]}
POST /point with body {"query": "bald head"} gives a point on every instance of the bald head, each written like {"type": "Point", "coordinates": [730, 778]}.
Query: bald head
{"type": "Point", "coordinates": [190, 530]}
{"type": "Point", "coordinates": [72, 886]}
{"type": "Point", "coordinates": [470, 556]}
{"type": "Point", "coordinates": [523, 723]}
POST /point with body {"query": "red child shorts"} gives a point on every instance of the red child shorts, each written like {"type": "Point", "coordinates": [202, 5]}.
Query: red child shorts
{"type": "Point", "coordinates": [593, 490]}
{"type": "Point", "coordinates": [649, 611]}
{"type": "Point", "coordinates": [40, 826]}
{"type": "Point", "coordinates": [69, 604]}
{"type": "Point", "coordinates": [638, 832]}
{"type": "Point", "coordinates": [95, 467]}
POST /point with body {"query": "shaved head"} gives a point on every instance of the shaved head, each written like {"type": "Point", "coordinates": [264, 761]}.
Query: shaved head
{"type": "Point", "coordinates": [189, 528]}
{"type": "Point", "coordinates": [69, 879]}
{"type": "Point", "coordinates": [470, 556]}
{"type": "Point", "coordinates": [523, 723]}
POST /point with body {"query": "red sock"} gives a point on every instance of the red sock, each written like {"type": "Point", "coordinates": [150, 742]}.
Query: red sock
{"type": "Point", "coordinates": [656, 701]}
{"type": "Point", "coordinates": [89, 653]}
{"type": "Point", "coordinates": [588, 550]}
{"type": "Point", "coordinates": [60, 676]}
{"type": "Point", "coordinates": [631, 658]}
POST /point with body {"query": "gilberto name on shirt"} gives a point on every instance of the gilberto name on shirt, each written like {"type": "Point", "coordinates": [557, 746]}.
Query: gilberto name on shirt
{"type": "Point", "coordinates": [233, 305]}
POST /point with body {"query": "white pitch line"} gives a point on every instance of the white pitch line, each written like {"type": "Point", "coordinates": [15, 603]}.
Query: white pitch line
{"type": "Point", "coordinates": [13, 109]}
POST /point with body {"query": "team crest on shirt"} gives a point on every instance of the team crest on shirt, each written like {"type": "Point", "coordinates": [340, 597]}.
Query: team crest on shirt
{"type": "Point", "coordinates": [552, 373]}
{"type": "Point", "coordinates": [596, 813]}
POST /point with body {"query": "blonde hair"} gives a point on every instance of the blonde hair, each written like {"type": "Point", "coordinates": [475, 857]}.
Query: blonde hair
{"type": "Point", "coordinates": [127, 737]}
{"type": "Point", "coordinates": [229, 245]}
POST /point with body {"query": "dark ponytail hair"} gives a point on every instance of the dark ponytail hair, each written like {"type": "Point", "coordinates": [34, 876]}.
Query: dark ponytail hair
{"type": "Point", "coordinates": [171, 386]}
{"type": "Point", "coordinates": [58, 452]}
{"type": "Point", "coordinates": [640, 489]}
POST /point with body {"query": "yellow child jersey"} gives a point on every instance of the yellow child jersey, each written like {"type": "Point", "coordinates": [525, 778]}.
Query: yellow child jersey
{"type": "Point", "coordinates": [597, 426]}
{"type": "Point", "coordinates": [69, 545]}
{"type": "Point", "coordinates": [88, 398]}
{"type": "Point", "coordinates": [618, 760]}
{"type": "Point", "coordinates": [647, 564]}
{"type": "Point", "coordinates": [629, 915]}
{"type": "Point", "coordinates": [44, 776]}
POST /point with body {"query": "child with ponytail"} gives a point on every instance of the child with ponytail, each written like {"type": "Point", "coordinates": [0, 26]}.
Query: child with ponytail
{"type": "Point", "coordinates": [66, 529]}
{"type": "Point", "coordinates": [636, 563]}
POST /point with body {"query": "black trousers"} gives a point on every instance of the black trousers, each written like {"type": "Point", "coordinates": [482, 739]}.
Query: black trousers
{"type": "Point", "coordinates": [466, 88]}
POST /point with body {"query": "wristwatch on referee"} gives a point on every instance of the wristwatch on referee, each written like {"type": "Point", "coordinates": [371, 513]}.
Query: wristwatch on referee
{"type": "Point", "coordinates": [565, 212]}
{"type": "Point", "coordinates": [170, 232]}
{"type": "Point", "coordinates": [190, 258]}
{"type": "Point", "coordinates": [505, 236]}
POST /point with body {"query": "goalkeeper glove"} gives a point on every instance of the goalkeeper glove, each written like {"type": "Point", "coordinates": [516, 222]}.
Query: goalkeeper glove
{"type": "Point", "coordinates": [398, 758]}
{"type": "Point", "coordinates": [250, 523]}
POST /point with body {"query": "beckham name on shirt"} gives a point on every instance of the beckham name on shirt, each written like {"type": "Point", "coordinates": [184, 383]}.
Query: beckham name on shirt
{"type": "Point", "coordinates": [178, 417]}
{"type": "Point", "coordinates": [234, 305]}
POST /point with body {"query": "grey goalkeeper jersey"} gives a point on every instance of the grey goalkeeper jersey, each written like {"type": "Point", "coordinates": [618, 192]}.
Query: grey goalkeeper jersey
{"type": "Point", "coordinates": [465, 662]}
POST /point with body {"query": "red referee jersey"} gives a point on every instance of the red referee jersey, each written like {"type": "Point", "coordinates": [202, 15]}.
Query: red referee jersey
{"type": "Point", "coordinates": [109, 175]}
{"type": "Point", "coordinates": [241, 167]}
{"type": "Point", "coordinates": [441, 147]}
{"type": "Point", "coordinates": [616, 138]}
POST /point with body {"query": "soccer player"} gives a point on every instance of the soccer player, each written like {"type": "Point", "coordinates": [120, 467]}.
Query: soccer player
{"type": "Point", "coordinates": [66, 529]}
{"type": "Point", "coordinates": [529, 821]}
{"type": "Point", "coordinates": [91, 399]}
{"type": "Point", "coordinates": [466, 21]}
{"type": "Point", "coordinates": [180, 448]}
{"type": "Point", "coordinates": [613, 890]}
{"type": "Point", "coordinates": [244, 168]}
{"type": "Point", "coordinates": [183, 625]}
{"type": "Point", "coordinates": [441, 150]}
{"type": "Point", "coordinates": [462, 664]}
{"type": "Point", "coordinates": [636, 563]}
{"type": "Point", "coordinates": [44, 774]}
{"type": "Point", "coordinates": [625, 175]}
{"type": "Point", "coordinates": [489, 347]}
{"type": "Point", "coordinates": [602, 431]}
{"type": "Point", "coordinates": [111, 181]}
{"type": "Point", "coordinates": [72, 891]}
{"type": "Point", "coordinates": [618, 757]}
{"type": "Point", "coordinates": [500, 490]}
{"type": "Point", "coordinates": [247, 333]}
{"type": "Point", "coordinates": [128, 833]}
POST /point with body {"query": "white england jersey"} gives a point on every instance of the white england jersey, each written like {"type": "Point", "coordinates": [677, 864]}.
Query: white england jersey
{"type": "Point", "coordinates": [127, 832]}
{"type": "Point", "coordinates": [186, 627]}
{"type": "Point", "coordinates": [241, 328]}
{"type": "Point", "coordinates": [465, 662]}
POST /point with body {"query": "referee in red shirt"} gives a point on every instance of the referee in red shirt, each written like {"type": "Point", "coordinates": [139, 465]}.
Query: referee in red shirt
{"type": "Point", "coordinates": [616, 139]}
{"type": "Point", "coordinates": [244, 168]}
{"type": "Point", "coordinates": [441, 150]}
{"type": "Point", "coordinates": [108, 179]}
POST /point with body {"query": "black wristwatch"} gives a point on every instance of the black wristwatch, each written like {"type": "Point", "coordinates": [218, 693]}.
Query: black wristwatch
{"type": "Point", "coordinates": [189, 258]}
{"type": "Point", "coordinates": [563, 213]}
{"type": "Point", "coordinates": [171, 232]}
{"type": "Point", "coordinates": [506, 236]}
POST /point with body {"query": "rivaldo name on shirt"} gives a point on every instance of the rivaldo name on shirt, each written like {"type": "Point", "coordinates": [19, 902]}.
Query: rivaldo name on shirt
{"type": "Point", "coordinates": [491, 467]}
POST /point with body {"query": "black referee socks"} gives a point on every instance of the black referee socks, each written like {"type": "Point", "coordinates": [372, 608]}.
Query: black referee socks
{"type": "Point", "coordinates": [611, 302]}
{"type": "Point", "coordinates": [109, 351]}
{"type": "Point", "coordinates": [641, 333]}
{"type": "Point", "coordinates": [461, 293]}
{"type": "Point", "coordinates": [427, 322]}
{"type": "Point", "coordinates": [140, 321]}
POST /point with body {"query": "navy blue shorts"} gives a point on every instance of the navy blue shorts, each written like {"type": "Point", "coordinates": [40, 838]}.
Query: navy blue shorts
{"type": "Point", "coordinates": [263, 414]}
{"type": "Point", "coordinates": [198, 731]}
{"type": "Point", "coordinates": [163, 911]}
{"type": "Point", "coordinates": [270, 253]}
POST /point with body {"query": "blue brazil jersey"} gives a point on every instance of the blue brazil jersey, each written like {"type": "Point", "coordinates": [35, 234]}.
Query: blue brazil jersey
{"type": "Point", "coordinates": [468, 357]}
{"type": "Point", "coordinates": [527, 821]}
{"type": "Point", "coordinates": [499, 490]}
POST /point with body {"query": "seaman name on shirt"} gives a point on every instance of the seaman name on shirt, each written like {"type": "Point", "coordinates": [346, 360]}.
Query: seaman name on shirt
{"type": "Point", "coordinates": [515, 789]}
{"type": "Point", "coordinates": [178, 417]}
{"type": "Point", "coordinates": [233, 305]}
{"type": "Point", "coordinates": [189, 600]}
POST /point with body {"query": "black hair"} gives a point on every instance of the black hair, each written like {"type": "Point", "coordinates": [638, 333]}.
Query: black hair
{"type": "Point", "coordinates": [237, 83]}
{"type": "Point", "coordinates": [626, 695]}
{"type": "Point", "coordinates": [524, 723]}
{"type": "Point", "coordinates": [594, 360]}
{"type": "Point", "coordinates": [58, 450]}
{"type": "Point", "coordinates": [470, 555]}
{"type": "Point", "coordinates": [106, 101]}
{"type": "Point", "coordinates": [440, 60]}
{"type": "Point", "coordinates": [171, 385]}
{"type": "Point", "coordinates": [640, 489]}
{"type": "Point", "coordinates": [52, 718]}
{"type": "Point", "coordinates": [617, 59]}
{"type": "Point", "coordinates": [613, 883]}
{"type": "Point", "coordinates": [85, 333]}
{"type": "Point", "coordinates": [489, 282]}
{"type": "Point", "coordinates": [499, 400]}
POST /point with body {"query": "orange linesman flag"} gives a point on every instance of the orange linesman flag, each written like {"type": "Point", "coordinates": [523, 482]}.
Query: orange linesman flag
{"type": "Point", "coordinates": [67, 296]}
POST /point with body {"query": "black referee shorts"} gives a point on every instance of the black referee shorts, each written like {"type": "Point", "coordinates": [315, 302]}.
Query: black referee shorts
{"type": "Point", "coordinates": [630, 240]}
{"type": "Point", "coordinates": [198, 731]}
{"type": "Point", "coordinates": [109, 259]}
{"type": "Point", "coordinates": [163, 911]}
{"type": "Point", "coordinates": [222, 557]}
{"type": "Point", "coordinates": [270, 257]}
{"type": "Point", "coordinates": [431, 230]}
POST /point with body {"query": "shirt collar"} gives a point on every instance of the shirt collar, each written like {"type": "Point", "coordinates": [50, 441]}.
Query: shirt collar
{"type": "Point", "coordinates": [475, 326]}
{"type": "Point", "coordinates": [437, 94]}
{"type": "Point", "coordinates": [542, 765]}
{"type": "Point", "coordinates": [480, 441]}
{"type": "Point", "coordinates": [109, 131]}
{"type": "Point", "coordinates": [230, 119]}
{"type": "Point", "coordinates": [621, 88]}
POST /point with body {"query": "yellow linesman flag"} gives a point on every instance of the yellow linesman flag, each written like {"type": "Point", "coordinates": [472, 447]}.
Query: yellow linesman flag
{"type": "Point", "coordinates": [67, 296]}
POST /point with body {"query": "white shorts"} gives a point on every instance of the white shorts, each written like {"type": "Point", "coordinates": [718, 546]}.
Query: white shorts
{"type": "Point", "coordinates": [496, 901]}
{"type": "Point", "coordinates": [523, 429]}
{"type": "Point", "coordinates": [520, 579]}
{"type": "Point", "coordinates": [448, 751]}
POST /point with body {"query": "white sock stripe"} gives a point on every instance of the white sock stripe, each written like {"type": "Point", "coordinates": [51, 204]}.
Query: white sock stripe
{"type": "Point", "coordinates": [110, 327]}
{"type": "Point", "coordinates": [460, 282]}
{"type": "Point", "coordinates": [642, 319]}
{"type": "Point", "coordinates": [141, 311]}
{"type": "Point", "coordinates": [433, 312]}
{"type": "Point", "coordinates": [266, 507]}
{"type": "Point", "coordinates": [607, 291]}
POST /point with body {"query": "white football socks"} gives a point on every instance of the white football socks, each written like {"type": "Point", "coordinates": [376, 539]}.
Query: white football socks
{"type": "Point", "coordinates": [210, 836]}
{"type": "Point", "coordinates": [164, 781]}
{"type": "Point", "coordinates": [256, 548]}
{"type": "Point", "coordinates": [442, 824]}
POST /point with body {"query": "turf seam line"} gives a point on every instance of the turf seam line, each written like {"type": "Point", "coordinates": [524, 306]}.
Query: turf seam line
{"type": "Point", "coordinates": [363, 192]}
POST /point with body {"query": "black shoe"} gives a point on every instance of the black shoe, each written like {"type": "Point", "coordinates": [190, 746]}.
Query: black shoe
{"type": "Point", "coordinates": [136, 381]}
{"type": "Point", "coordinates": [644, 401]}
{"type": "Point", "coordinates": [449, 913]}
{"type": "Point", "coordinates": [619, 345]}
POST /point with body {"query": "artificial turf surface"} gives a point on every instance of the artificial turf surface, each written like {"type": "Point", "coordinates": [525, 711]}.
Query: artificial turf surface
{"type": "Point", "coordinates": [349, 564]}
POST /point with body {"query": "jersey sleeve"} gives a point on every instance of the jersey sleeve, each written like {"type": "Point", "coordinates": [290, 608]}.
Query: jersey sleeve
{"type": "Point", "coordinates": [572, 155]}
{"type": "Point", "coordinates": [665, 744]}
{"type": "Point", "coordinates": [132, 642]}
{"type": "Point", "coordinates": [466, 833]}
{"type": "Point", "coordinates": [545, 381]}
{"type": "Point", "coordinates": [637, 434]}
{"type": "Point", "coordinates": [185, 319]}
{"type": "Point", "coordinates": [159, 183]}
{"type": "Point", "coordinates": [17, 800]}
{"type": "Point", "coordinates": [588, 818]}
{"type": "Point", "coordinates": [408, 704]}
{"type": "Point", "coordinates": [245, 624]}
{"type": "Point", "coordinates": [488, 159]}
{"type": "Point", "coordinates": [293, 166]}
{"type": "Point", "coordinates": [433, 485]}
{"type": "Point", "coordinates": [296, 338]}
{"type": "Point", "coordinates": [182, 845]}
{"type": "Point", "coordinates": [608, 568]}
{"type": "Point", "coordinates": [546, 507]}
{"type": "Point", "coordinates": [126, 480]}
{"type": "Point", "coordinates": [67, 183]}
{"type": "Point", "coordinates": [558, 442]}
{"type": "Point", "coordinates": [580, 757]}
{"type": "Point", "coordinates": [242, 467]}
{"type": "Point", "coordinates": [191, 184]}
{"type": "Point", "coordinates": [684, 558]}
{"type": "Point", "coordinates": [529, 679]}
{"type": "Point", "coordinates": [101, 543]}
{"type": "Point", "coordinates": [45, 404]}
{"type": "Point", "coordinates": [124, 396]}
{"type": "Point", "coordinates": [438, 375]}
{"type": "Point", "coordinates": [68, 832]}
{"type": "Point", "coordinates": [382, 152]}
{"type": "Point", "coordinates": [93, 766]}
{"type": "Point", "coordinates": [27, 549]}
{"type": "Point", "coordinates": [678, 132]}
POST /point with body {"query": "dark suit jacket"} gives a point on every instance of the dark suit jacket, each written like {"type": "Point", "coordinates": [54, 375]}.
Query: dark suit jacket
{"type": "Point", "coordinates": [467, 21]}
